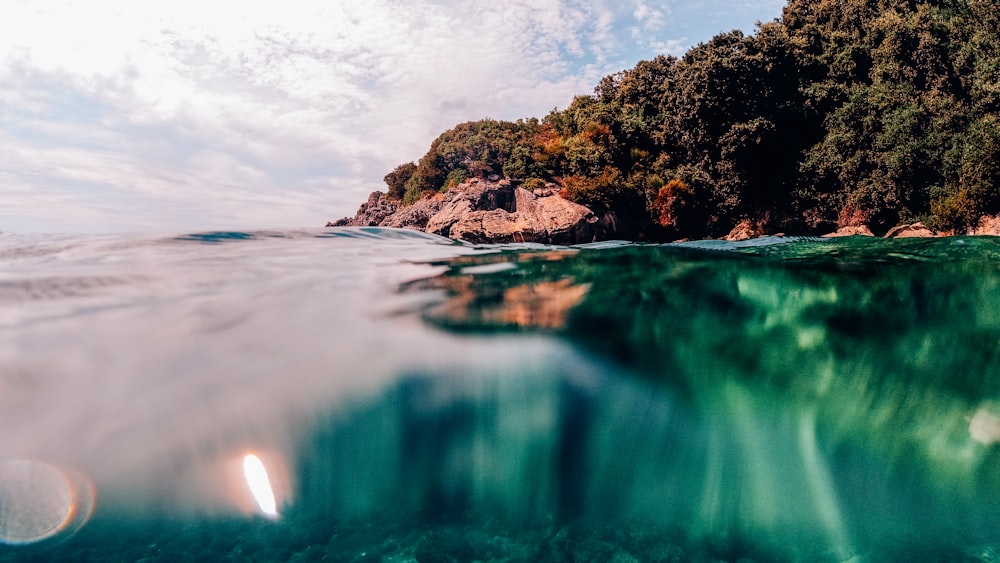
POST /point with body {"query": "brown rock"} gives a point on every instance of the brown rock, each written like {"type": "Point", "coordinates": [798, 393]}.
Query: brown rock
{"type": "Point", "coordinates": [556, 220]}
{"type": "Point", "coordinates": [745, 229]}
{"type": "Point", "coordinates": [494, 226]}
{"type": "Point", "coordinates": [850, 231]}
{"type": "Point", "coordinates": [540, 216]}
{"type": "Point", "coordinates": [488, 211]}
{"type": "Point", "coordinates": [372, 213]}
{"type": "Point", "coordinates": [415, 216]}
{"type": "Point", "coordinates": [470, 197]}
{"type": "Point", "coordinates": [450, 213]}
{"type": "Point", "coordinates": [988, 225]}
{"type": "Point", "coordinates": [482, 211]}
{"type": "Point", "coordinates": [910, 231]}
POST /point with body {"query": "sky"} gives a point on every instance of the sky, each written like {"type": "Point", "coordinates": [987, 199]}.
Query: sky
{"type": "Point", "coordinates": [134, 116]}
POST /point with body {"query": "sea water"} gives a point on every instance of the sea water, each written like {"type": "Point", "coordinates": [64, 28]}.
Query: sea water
{"type": "Point", "coordinates": [385, 395]}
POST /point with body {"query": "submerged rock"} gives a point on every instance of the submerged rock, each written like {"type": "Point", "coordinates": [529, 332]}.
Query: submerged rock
{"type": "Point", "coordinates": [483, 211]}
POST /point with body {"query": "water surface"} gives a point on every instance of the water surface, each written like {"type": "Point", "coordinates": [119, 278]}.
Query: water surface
{"type": "Point", "coordinates": [416, 399]}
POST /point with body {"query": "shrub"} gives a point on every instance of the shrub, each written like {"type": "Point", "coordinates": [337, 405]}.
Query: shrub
{"type": "Point", "coordinates": [414, 190]}
{"type": "Point", "coordinates": [532, 184]}
{"type": "Point", "coordinates": [956, 212]}
{"type": "Point", "coordinates": [598, 193]}
{"type": "Point", "coordinates": [668, 199]}
{"type": "Point", "coordinates": [397, 179]}
{"type": "Point", "coordinates": [455, 177]}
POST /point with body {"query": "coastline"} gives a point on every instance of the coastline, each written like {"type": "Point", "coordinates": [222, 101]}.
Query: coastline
{"type": "Point", "coordinates": [497, 211]}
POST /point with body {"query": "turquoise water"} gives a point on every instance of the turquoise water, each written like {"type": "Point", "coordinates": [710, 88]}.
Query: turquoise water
{"type": "Point", "coordinates": [416, 399]}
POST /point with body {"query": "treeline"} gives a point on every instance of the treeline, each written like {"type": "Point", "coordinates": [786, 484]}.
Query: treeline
{"type": "Point", "coordinates": [841, 113]}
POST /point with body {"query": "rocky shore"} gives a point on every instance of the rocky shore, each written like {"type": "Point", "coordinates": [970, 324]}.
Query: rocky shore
{"type": "Point", "coordinates": [485, 211]}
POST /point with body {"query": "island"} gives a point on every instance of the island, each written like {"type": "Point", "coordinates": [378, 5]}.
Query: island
{"type": "Point", "coordinates": [842, 117]}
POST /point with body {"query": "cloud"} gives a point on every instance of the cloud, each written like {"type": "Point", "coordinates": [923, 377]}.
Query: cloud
{"type": "Point", "coordinates": [649, 18]}
{"type": "Point", "coordinates": [241, 114]}
{"type": "Point", "coordinates": [675, 47]}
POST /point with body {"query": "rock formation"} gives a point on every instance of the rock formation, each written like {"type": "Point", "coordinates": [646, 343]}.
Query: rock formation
{"type": "Point", "coordinates": [910, 231]}
{"type": "Point", "coordinates": [482, 211]}
{"type": "Point", "coordinates": [500, 211]}
{"type": "Point", "coordinates": [746, 229]}
{"type": "Point", "coordinates": [372, 213]}
{"type": "Point", "coordinates": [988, 225]}
{"type": "Point", "coordinates": [853, 230]}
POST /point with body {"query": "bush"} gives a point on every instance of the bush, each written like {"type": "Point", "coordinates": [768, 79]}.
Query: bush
{"type": "Point", "coordinates": [397, 179]}
{"type": "Point", "coordinates": [599, 193]}
{"type": "Point", "coordinates": [669, 199]}
{"type": "Point", "coordinates": [414, 190]}
{"type": "Point", "coordinates": [455, 177]}
{"type": "Point", "coordinates": [532, 184]}
{"type": "Point", "coordinates": [956, 212]}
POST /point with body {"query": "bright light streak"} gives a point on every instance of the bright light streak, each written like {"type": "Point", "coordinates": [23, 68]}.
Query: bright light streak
{"type": "Point", "coordinates": [260, 485]}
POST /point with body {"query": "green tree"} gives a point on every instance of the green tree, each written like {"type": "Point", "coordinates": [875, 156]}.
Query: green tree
{"type": "Point", "coordinates": [841, 112]}
{"type": "Point", "coordinates": [397, 179]}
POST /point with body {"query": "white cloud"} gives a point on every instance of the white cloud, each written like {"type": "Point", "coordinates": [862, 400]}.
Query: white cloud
{"type": "Point", "coordinates": [227, 112]}
{"type": "Point", "coordinates": [649, 18]}
{"type": "Point", "coordinates": [675, 47]}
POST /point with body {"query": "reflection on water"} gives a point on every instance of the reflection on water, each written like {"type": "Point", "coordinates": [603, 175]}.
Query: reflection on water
{"type": "Point", "coordinates": [39, 501]}
{"type": "Point", "coordinates": [985, 426]}
{"type": "Point", "coordinates": [494, 294]}
{"type": "Point", "coordinates": [383, 395]}
{"type": "Point", "coordinates": [260, 485]}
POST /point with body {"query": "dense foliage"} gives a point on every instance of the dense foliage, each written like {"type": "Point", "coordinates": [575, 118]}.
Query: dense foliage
{"type": "Point", "coordinates": [842, 112]}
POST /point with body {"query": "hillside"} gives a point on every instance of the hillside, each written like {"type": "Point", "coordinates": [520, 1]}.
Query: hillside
{"type": "Point", "coordinates": [841, 113]}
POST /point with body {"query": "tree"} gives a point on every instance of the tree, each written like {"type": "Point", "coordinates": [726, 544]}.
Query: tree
{"type": "Point", "coordinates": [397, 179]}
{"type": "Point", "coordinates": [841, 112]}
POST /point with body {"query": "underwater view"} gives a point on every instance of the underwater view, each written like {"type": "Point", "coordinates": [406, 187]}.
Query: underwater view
{"type": "Point", "coordinates": [368, 394]}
